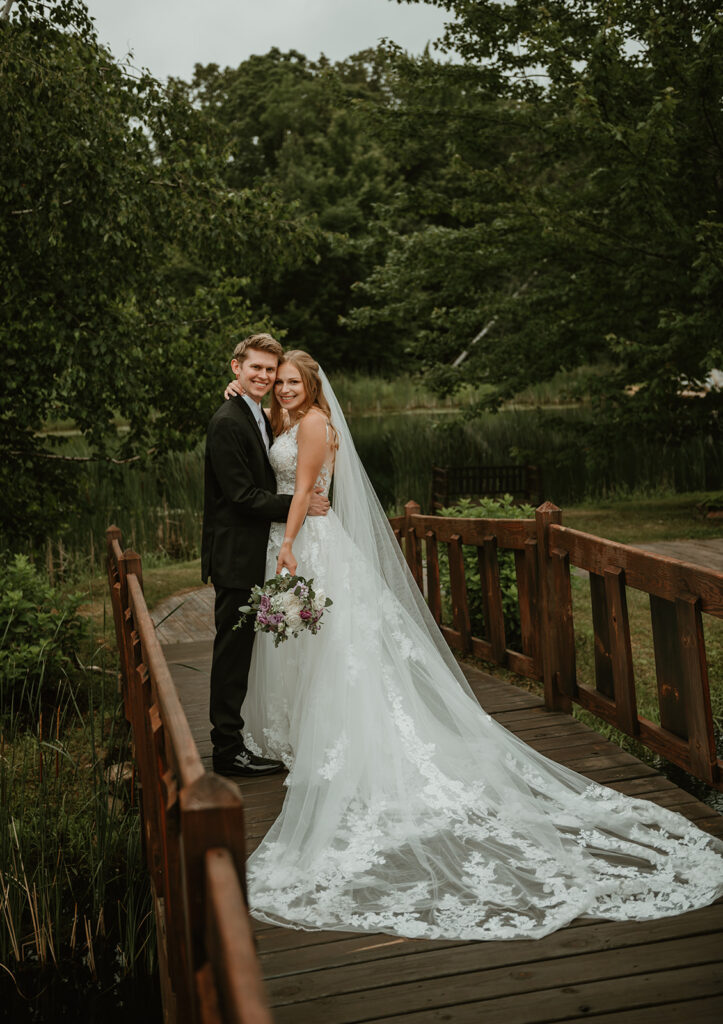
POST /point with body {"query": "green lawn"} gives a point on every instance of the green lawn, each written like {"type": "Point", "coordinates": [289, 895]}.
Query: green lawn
{"type": "Point", "coordinates": [646, 520]}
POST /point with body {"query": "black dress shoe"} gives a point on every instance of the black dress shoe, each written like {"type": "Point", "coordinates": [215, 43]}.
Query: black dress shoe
{"type": "Point", "coordinates": [244, 763]}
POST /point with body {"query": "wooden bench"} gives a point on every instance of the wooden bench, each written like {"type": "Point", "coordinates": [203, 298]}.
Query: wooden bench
{"type": "Point", "coordinates": [450, 483]}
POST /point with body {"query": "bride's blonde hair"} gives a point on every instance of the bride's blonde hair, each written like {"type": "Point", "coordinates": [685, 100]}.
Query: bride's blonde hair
{"type": "Point", "coordinates": [309, 372]}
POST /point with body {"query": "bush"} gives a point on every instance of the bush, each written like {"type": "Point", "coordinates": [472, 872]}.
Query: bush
{"type": "Point", "coordinates": [39, 631]}
{"type": "Point", "coordinates": [488, 508]}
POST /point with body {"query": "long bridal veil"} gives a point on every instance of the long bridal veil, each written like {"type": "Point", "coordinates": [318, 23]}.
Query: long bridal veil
{"type": "Point", "coordinates": [408, 810]}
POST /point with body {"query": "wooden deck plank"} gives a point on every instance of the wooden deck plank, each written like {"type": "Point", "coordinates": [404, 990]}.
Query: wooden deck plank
{"type": "Point", "coordinates": [656, 965]}
{"type": "Point", "coordinates": [609, 1000]}
{"type": "Point", "coordinates": [430, 960]}
{"type": "Point", "coordinates": [608, 971]}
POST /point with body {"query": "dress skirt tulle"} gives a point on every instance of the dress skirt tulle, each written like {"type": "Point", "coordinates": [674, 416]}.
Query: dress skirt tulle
{"type": "Point", "coordinates": [409, 810]}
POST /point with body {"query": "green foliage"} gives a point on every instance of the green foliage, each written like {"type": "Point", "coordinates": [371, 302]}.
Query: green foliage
{"type": "Point", "coordinates": [307, 129]}
{"type": "Point", "coordinates": [39, 631]}
{"type": "Point", "coordinates": [128, 261]}
{"type": "Point", "coordinates": [488, 508]}
{"type": "Point", "coordinates": [566, 196]}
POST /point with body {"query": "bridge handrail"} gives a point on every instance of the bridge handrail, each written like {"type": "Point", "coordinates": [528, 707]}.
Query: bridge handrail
{"type": "Point", "coordinates": [544, 552]}
{"type": "Point", "coordinates": [193, 830]}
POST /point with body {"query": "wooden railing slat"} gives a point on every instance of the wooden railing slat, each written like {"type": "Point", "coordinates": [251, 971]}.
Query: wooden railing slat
{"type": "Point", "coordinates": [434, 595]}
{"type": "Point", "coordinates": [694, 677]}
{"type": "Point", "coordinates": [526, 573]}
{"type": "Point", "coordinates": [489, 571]}
{"type": "Point", "coordinates": [671, 695]}
{"type": "Point", "coordinates": [564, 627]}
{"type": "Point", "coordinates": [621, 655]}
{"type": "Point", "coordinates": [458, 587]}
{"type": "Point", "coordinates": [604, 683]}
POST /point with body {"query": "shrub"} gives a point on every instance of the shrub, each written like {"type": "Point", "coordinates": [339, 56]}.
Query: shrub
{"type": "Point", "coordinates": [39, 630]}
{"type": "Point", "coordinates": [488, 508]}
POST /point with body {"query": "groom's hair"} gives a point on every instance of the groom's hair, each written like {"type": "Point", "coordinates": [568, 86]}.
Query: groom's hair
{"type": "Point", "coordinates": [261, 342]}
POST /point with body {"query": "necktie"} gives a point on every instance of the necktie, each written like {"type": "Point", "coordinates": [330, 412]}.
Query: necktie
{"type": "Point", "coordinates": [262, 426]}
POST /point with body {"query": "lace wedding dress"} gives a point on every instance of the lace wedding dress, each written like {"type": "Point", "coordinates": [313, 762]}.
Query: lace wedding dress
{"type": "Point", "coordinates": [408, 809]}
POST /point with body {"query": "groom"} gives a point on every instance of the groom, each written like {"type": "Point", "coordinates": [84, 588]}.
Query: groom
{"type": "Point", "coordinates": [240, 502]}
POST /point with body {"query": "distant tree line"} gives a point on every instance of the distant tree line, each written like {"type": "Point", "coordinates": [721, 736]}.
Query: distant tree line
{"type": "Point", "coordinates": [554, 186]}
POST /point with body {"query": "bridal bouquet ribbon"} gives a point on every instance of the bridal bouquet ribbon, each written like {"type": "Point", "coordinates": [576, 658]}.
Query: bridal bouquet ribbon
{"type": "Point", "coordinates": [285, 606]}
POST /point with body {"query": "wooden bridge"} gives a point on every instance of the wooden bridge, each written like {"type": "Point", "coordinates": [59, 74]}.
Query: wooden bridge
{"type": "Point", "coordinates": [217, 964]}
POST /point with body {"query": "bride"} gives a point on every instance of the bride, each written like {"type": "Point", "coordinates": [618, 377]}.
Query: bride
{"type": "Point", "coordinates": [408, 809]}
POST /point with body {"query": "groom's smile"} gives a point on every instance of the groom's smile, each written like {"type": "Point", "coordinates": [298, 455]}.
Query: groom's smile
{"type": "Point", "coordinates": [256, 373]}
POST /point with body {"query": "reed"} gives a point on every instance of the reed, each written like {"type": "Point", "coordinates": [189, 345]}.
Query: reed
{"type": "Point", "coordinates": [73, 887]}
{"type": "Point", "coordinates": [401, 431]}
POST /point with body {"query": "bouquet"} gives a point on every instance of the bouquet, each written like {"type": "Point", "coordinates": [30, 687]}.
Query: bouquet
{"type": "Point", "coordinates": [285, 606]}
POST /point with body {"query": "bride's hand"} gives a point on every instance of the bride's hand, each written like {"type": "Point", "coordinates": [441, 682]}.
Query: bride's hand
{"type": "Point", "coordinates": [233, 388]}
{"type": "Point", "coordinates": [286, 560]}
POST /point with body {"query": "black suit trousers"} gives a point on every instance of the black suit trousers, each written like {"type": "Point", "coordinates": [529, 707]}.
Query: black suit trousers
{"type": "Point", "coordinates": [230, 670]}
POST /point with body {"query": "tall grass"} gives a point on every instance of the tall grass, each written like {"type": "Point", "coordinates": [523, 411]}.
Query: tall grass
{"type": "Point", "coordinates": [159, 505]}
{"type": "Point", "coordinates": [74, 893]}
{"type": "Point", "coordinates": [400, 451]}
{"type": "Point", "coordinates": [362, 395]}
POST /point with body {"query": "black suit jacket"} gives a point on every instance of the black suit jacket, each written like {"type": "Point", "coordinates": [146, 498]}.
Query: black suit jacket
{"type": "Point", "coordinates": [240, 499]}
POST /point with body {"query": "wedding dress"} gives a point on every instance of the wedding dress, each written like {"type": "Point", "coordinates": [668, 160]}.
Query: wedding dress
{"type": "Point", "coordinates": [408, 809]}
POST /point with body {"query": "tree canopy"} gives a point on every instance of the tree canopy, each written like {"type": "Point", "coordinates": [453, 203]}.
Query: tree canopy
{"type": "Point", "coordinates": [545, 196]}
{"type": "Point", "coordinates": [574, 206]}
{"type": "Point", "coordinates": [128, 259]}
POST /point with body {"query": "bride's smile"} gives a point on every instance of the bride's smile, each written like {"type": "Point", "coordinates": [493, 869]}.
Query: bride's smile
{"type": "Point", "coordinates": [289, 388]}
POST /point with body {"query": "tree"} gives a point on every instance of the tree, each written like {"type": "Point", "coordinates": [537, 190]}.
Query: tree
{"type": "Point", "coordinates": [128, 259]}
{"type": "Point", "coordinates": [578, 207]}
{"type": "Point", "coordinates": [305, 129]}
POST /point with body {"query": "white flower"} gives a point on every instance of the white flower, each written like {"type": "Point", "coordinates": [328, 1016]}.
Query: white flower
{"type": "Point", "coordinates": [293, 620]}
{"type": "Point", "coordinates": [292, 604]}
{"type": "Point", "coordinates": [319, 598]}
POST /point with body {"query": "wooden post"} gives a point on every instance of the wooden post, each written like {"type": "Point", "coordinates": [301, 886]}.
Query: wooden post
{"type": "Point", "coordinates": [211, 814]}
{"type": "Point", "coordinates": [230, 944]}
{"type": "Point", "coordinates": [545, 516]}
{"type": "Point", "coordinates": [413, 547]}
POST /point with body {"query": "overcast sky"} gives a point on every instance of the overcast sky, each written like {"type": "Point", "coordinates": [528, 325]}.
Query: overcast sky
{"type": "Point", "coordinates": [170, 36]}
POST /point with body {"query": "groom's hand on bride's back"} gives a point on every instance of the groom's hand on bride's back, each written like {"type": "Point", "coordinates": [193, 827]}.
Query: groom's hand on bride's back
{"type": "Point", "coordinates": [318, 503]}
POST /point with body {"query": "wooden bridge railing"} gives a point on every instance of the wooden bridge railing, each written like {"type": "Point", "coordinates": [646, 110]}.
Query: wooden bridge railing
{"type": "Point", "coordinates": [193, 830]}
{"type": "Point", "coordinates": [544, 552]}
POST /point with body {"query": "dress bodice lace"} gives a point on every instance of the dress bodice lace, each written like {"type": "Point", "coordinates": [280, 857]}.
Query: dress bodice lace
{"type": "Point", "coordinates": [283, 457]}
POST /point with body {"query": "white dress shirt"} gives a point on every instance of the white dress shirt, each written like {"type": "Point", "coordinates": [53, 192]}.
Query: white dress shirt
{"type": "Point", "coordinates": [255, 408]}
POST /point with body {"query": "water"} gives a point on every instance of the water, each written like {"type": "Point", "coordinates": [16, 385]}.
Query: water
{"type": "Point", "coordinates": [69, 993]}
